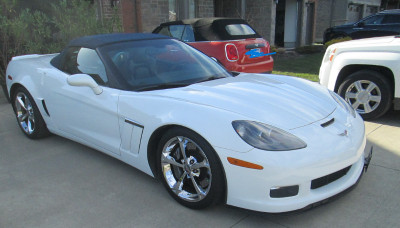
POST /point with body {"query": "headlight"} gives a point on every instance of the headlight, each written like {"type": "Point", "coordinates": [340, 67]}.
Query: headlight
{"type": "Point", "coordinates": [346, 106]}
{"type": "Point", "coordinates": [266, 137]}
{"type": "Point", "coordinates": [329, 54]}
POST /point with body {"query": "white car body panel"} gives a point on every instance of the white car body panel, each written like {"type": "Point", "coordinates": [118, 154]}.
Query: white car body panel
{"type": "Point", "coordinates": [380, 51]}
{"type": "Point", "coordinates": [120, 123]}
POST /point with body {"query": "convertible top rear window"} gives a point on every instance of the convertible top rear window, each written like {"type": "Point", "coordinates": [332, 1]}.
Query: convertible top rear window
{"type": "Point", "coordinates": [208, 29]}
{"type": "Point", "coordinates": [239, 29]}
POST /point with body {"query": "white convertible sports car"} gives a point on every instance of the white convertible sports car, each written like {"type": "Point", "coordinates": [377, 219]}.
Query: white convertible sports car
{"type": "Point", "coordinates": [262, 142]}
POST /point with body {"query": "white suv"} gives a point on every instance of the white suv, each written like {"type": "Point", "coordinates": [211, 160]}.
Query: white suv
{"type": "Point", "coordinates": [366, 73]}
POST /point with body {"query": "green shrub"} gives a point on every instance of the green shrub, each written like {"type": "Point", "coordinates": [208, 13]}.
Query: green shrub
{"type": "Point", "coordinates": [23, 31]}
{"type": "Point", "coordinates": [338, 40]}
{"type": "Point", "coordinates": [76, 18]}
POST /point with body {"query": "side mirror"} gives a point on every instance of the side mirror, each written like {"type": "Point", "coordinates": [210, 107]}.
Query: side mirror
{"type": "Point", "coordinates": [84, 80]}
{"type": "Point", "coordinates": [361, 24]}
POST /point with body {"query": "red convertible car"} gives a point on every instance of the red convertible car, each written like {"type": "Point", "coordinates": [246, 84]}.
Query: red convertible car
{"type": "Point", "coordinates": [231, 41]}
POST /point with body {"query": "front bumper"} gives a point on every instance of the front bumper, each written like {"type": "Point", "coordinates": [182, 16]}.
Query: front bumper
{"type": "Point", "coordinates": [326, 156]}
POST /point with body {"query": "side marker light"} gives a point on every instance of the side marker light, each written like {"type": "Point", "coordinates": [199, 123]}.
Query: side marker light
{"type": "Point", "coordinates": [245, 164]}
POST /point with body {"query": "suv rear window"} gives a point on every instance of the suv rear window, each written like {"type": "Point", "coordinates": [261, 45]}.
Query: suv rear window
{"type": "Point", "coordinates": [239, 30]}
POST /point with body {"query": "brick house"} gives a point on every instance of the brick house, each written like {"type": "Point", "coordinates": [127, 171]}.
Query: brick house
{"type": "Point", "coordinates": [145, 15]}
{"type": "Point", "coordinates": [338, 12]}
{"type": "Point", "coordinates": [287, 23]}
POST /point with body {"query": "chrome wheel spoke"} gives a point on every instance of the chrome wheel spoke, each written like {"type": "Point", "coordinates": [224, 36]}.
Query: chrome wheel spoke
{"type": "Point", "coordinates": [375, 99]}
{"type": "Point", "coordinates": [21, 102]}
{"type": "Point", "coordinates": [367, 108]}
{"type": "Point", "coordinates": [177, 188]}
{"type": "Point", "coordinates": [31, 125]}
{"type": "Point", "coordinates": [200, 192]}
{"type": "Point", "coordinates": [203, 164]}
{"type": "Point", "coordinates": [182, 146]}
{"type": "Point", "coordinates": [358, 86]}
{"type": "Point", "coordinates": [170, 160]}
{"type": "Point", "coordinates": [371, 87]}
{"type": "Point", "coordinates": [356, 104]}
{"type": "Point", "coordinates": [351, 95]}
{"type": "Point", "coordinates": [22, 117]}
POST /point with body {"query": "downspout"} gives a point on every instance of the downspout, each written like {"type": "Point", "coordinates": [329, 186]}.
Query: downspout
{"type": "Point", "coordinates": [300, 14]}
{"type": "Point", "coordinates": [101, 11]}
{"type": "Point", "coordinates": [138, 13]}
{"type": "Point", "coordinates": [332, 12]}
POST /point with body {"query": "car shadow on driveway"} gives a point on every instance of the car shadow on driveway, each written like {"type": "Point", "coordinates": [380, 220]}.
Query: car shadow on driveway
{"type": "Point", "coordinates": [391, 118]}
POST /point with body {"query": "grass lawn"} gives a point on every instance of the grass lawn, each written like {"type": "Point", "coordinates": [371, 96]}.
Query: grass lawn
{"type": "Point", "coordinates": [304, 66]}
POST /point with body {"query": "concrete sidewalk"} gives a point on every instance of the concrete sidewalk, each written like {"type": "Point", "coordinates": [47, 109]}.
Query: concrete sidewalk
{"type": "Point", "coordinates": [54, 182]}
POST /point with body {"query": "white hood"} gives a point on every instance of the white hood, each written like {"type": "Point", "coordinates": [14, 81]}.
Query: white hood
{"type": "Point", "coordinates": [261, 98]}
{"type": "Point", "coordinates": [385, 43]}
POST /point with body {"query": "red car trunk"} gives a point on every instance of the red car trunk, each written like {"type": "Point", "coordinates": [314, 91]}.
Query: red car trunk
{"type": "Point", "coordinates": [245, 62]}
{"type": "Point", "coordinates": [232, 41]}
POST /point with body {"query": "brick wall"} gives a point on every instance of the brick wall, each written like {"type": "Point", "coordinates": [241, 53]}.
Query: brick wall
{"type": "Point", "coordinates": [323, 18]}
{"type": "Point", "coordinates": [205, 8]}
{"type": "Point", "coordinates": [153, 12]}
{"type": "Point", "coordinates": [107, 9]}
{"type": "Point", "coordinates": [261, 14]}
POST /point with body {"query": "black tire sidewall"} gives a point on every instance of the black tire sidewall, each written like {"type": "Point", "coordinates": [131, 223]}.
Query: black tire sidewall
{"type": "Point", "coordinates": [380, 81]}
{"type": "Point", "coordinates": [217, 189]}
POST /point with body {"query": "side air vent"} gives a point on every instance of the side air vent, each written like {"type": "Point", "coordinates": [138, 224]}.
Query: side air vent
{"type": "Point", "coordinates": [331, 121]}
{"type": "Point", "coordinates": [45, 107]}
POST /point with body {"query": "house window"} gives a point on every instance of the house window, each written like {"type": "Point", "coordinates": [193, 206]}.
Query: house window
{"type": "Point", "coordinates": [182, 9]}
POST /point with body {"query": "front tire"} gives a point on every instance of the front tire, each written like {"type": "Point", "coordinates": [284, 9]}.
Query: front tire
{"type": "Point", "coordinates": [368, 92]}
{"type": "Point", "coordinates": [190, 169]}
{"type": "Point", "coordinates": [28, 115]}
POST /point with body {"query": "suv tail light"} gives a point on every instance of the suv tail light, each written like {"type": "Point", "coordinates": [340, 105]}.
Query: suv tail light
{"type": "Point", "coordinates": [231, 52]}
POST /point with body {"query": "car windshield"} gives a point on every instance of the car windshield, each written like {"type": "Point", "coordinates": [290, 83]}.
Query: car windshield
{"type": "Point", "coordinates": [159, 64]}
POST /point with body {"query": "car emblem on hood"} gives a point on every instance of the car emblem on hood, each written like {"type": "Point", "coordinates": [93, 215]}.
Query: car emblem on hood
{"type": "Point", "coordinates": [345, 133]}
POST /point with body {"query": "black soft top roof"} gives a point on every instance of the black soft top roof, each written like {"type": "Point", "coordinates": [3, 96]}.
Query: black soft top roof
{"type": "Point", "coordinates": [96, 41]}
{"type": "Point", "coordinates": [212, 28]}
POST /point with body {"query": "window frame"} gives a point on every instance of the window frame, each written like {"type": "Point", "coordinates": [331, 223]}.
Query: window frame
{"type": "Point", "coordinates": [67, 54]}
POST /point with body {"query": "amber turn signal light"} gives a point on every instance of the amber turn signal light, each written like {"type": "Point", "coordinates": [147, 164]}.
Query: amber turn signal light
{"type": "Point", "coordinates": [245, 164]}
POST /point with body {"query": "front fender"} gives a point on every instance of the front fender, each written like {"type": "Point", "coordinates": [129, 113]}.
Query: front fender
{"type": "Point", "coordinates": [213, 124]}
{"type": "Point", "coordinates": [383, 59]}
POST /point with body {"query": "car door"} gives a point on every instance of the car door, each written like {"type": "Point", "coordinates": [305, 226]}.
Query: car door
{"type": "Point", "coordinates": [78, 112]}
{"type": "Point", "coordinates": [390, 25]}
{"type": "Point", "coordinates": [369, 27]}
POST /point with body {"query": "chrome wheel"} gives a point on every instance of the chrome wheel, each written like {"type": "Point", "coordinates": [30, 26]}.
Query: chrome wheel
{"type": "Point", "coordinates": [186, 169]}
{"type": "Point", "coordinates": [365, 96]}
{"type": "Point", "coordinates": [25, 113]}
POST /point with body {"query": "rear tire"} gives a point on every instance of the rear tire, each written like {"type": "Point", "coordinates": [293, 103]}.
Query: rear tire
{"type": "Point", "coordinates": [368, 91]}
{"type": "Point", "coordinates": [28, 115]}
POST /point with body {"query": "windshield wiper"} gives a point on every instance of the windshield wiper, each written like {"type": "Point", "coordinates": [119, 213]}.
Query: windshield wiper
{"type": "Point", "coordinates": [162, 86]}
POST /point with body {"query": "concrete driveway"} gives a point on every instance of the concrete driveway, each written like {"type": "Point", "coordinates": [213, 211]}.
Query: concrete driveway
{"type": "Point", "coordinates": [54, 182]}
